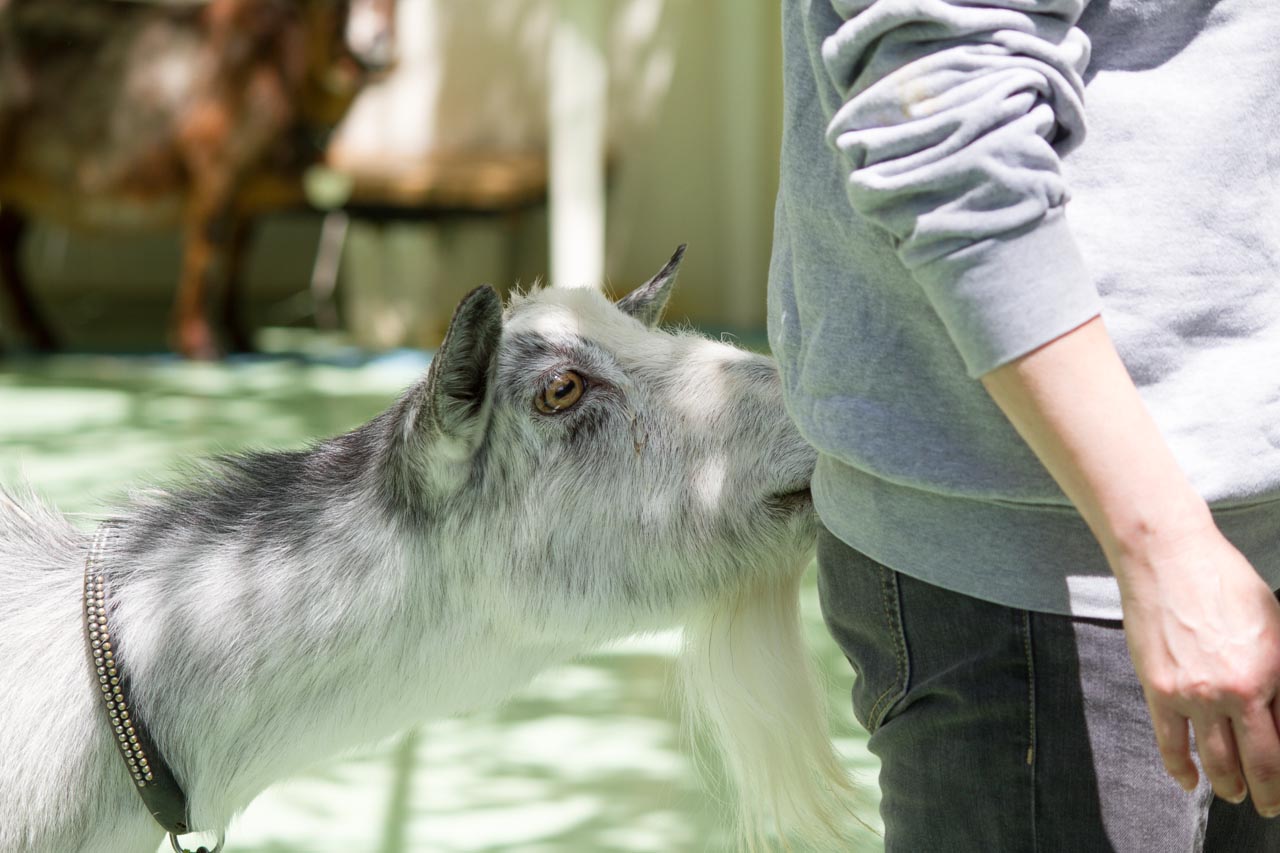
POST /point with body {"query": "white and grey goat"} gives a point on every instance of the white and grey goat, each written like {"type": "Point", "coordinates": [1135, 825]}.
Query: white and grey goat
{"type": "Point", "coordinates": [564, 475]}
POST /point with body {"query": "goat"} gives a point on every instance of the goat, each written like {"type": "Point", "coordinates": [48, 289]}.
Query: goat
{"type": "Point", "coordinates": [119, 116]}
{"type": "Point", "coordinates": [564, 475]}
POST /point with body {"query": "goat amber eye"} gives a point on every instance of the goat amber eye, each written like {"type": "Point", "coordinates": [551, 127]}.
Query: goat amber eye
{"type": "Point", "coordinates": [561, 393]}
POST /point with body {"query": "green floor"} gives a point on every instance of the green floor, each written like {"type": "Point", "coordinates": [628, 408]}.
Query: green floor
{"type": "Point", "coordinates": [588, 758]}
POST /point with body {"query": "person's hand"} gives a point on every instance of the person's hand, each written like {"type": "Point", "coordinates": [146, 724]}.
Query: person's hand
{"type": "Point", "coordinates": [1203, 628]}
{"type": "Point", "coordinates": [1204, 633]}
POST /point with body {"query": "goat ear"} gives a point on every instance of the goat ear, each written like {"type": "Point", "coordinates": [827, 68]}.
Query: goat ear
{"type": "Point", "coordinates": [452, 403]}
{"type": "Point", "coordinates": [647, 302]}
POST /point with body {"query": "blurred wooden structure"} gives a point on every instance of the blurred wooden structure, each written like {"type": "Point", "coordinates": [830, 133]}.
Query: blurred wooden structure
{"type": "Point", "coordinates": [692, 118]}
{"type": "Point", "coordinates": [435, 187]}
{"type": "Point", "coordinates": [444, 183]}
{"type": "Point", "coordinates": [123, 116]}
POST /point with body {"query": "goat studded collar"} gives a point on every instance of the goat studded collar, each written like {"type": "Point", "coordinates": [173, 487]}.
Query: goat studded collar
{"type": "Point", "coordinates": [154, 781]}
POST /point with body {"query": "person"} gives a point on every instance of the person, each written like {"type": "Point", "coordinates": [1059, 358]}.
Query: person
{"type": "Point", "coordinates": [1048, 432]}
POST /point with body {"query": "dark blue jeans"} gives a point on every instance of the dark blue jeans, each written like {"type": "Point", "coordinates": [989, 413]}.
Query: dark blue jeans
{"type": "Point", "coordinates": [1002, 730]}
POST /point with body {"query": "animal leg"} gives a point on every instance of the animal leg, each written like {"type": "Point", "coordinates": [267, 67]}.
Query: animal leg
{"type": "Point", "coordinates": [190, 332]}
{"type": "Point", "coordinates": [207, 239]}
{"type": "Point", "coordinates": [234, 321]}
{"type": "Point", "coordinates": [26, 314]}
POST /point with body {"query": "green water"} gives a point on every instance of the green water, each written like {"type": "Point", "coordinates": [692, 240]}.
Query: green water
{"type": "Point", "coordinates": [590, 757]}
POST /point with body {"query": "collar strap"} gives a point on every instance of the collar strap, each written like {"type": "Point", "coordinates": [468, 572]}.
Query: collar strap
{"type": "Point", "coordinates": [152, 778]}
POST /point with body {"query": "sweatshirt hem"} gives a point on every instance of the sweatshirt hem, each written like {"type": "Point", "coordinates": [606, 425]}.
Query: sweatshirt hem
{"type": "Point", "coordinates": [1038, 557]}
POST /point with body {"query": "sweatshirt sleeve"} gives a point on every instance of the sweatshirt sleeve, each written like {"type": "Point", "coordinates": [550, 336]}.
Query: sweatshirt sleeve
{"type": "Point", "coordinates": [952, 119]}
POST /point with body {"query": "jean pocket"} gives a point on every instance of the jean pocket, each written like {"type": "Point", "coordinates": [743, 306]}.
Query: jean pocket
{"type": "Point", "coordinates": [862, 605]}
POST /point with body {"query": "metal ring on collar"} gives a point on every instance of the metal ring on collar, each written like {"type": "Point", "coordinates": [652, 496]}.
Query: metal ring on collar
{"type": "Point", "coordinates": [178, 848]}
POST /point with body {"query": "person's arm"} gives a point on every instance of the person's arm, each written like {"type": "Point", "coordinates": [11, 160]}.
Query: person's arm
{"type": "Point", "coordinates": [950, 118]}
{"type": "Point", "coordinates": [1203, 628]}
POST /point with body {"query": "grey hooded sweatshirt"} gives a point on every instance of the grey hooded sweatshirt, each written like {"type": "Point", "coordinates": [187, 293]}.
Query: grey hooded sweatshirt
{"type": "Point", "coordinates": [941, 213]}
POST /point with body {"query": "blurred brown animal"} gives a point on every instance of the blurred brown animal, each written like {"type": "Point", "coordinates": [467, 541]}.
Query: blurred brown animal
{"type": "Point", "coordinates": [122, 115]}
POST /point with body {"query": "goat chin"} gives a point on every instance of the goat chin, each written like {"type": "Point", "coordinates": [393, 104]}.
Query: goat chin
{"type": "Point", "coordinates": [749, 684]}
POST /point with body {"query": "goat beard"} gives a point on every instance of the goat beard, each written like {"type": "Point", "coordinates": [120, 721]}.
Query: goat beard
{"type": "Point", "coordinates": [750, 686]}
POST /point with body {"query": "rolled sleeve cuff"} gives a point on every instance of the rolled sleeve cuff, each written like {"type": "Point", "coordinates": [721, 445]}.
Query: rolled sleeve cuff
{"type": "Point", "coordinates": [1003, 297]}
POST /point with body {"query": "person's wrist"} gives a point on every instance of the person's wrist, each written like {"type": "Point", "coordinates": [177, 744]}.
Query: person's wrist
{"type": "Point", "coordinates": [1146, 533]}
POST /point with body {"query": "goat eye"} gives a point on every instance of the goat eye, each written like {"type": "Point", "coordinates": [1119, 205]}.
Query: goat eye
{"type": "Point", "coordinates": [562, 392]}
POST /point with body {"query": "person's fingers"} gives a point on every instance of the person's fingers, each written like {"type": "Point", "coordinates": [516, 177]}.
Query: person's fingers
{"type": "Point", "coordinates": [1259, 745]}
{"type": "Point", "coordinates": [1175, 745]}
{"type": "Point", "coordinates": [1219, 757]}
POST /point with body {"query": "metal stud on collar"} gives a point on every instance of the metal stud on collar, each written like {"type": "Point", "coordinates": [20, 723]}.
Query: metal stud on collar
{"type": "Point", "coordinates": [105, 664]}
{"type": "Point", "coordinates": [178, 848]}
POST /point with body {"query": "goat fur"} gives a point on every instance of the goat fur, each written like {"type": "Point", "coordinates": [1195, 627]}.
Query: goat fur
{"type": "Point", "coordinates": [280, 608]}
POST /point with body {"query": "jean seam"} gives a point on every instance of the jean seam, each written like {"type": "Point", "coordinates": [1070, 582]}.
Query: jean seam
{"type": "Point", "coordinates": [1029, 651]}
{"type": "Point", "coordinates": [891, 602]}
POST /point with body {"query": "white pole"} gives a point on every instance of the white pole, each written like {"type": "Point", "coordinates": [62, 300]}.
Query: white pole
{"type": "Point", "coordinates": [577, 80]}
